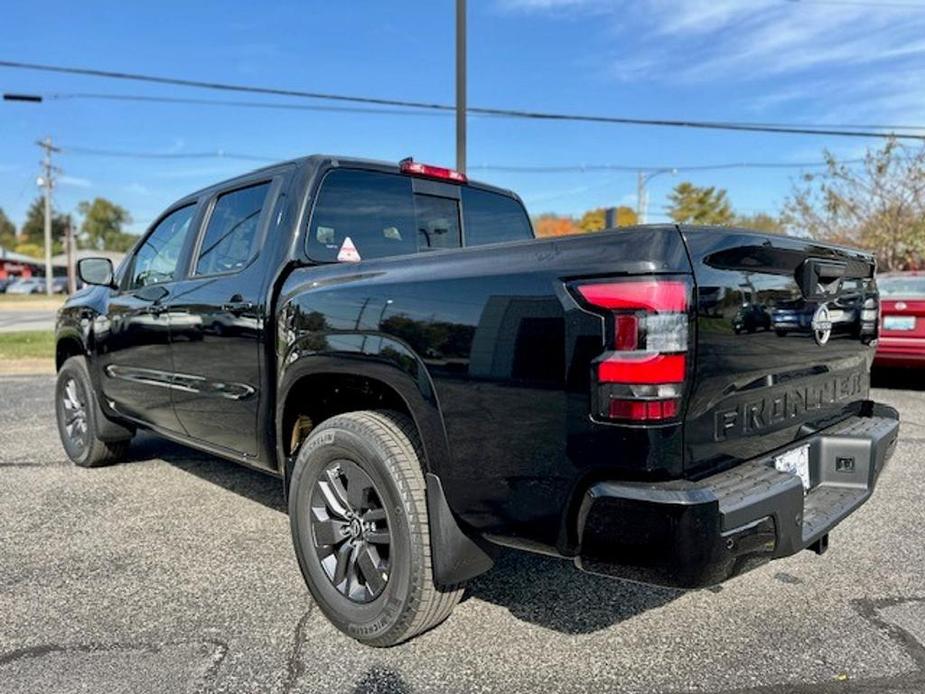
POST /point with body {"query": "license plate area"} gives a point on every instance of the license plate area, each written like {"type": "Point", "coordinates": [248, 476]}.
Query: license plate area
{"type": "Point", "coordinates": [899, 322]}
{"type": "Point", "coordinates": [796, 462]}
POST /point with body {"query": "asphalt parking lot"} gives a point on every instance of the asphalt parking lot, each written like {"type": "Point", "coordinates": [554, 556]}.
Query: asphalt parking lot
{"type": "Point", "coordinates": [174, 573]}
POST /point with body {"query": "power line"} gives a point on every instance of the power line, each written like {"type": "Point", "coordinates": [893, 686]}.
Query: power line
{"type": "Point", "coordinates": [591, 168]}
{"type": "Point", "coordinates": [217, 154]}
{"type": "Point", "coordinates": [507, 168]}
{"type": "Point", "coordinates": [61, 96]}
{"type": "Point", "coordinates": [509, 113]}
{"type": "Point", "coordinates": [223, 102]}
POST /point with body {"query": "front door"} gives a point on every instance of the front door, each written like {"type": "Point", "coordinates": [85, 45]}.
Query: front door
{"type": "Point", "coordinates": [217, 325]}
{"type": "Point", "coordinates": [134, 339]}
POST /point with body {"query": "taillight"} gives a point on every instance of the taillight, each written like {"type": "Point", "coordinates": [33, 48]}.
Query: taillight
{"type": "Point", "coordinates": [640, 376]}
{"type": "Point", "coordinates": [409, 166]}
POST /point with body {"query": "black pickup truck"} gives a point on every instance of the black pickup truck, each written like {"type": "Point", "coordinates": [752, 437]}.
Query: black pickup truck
{"type": "Point", "coordinates": [430, 381]}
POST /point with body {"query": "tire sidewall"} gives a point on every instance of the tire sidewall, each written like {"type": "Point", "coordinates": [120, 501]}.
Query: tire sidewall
{"type": "Point", "coordinates": [368, 621]}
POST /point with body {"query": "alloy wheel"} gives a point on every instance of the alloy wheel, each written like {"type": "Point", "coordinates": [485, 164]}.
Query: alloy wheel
{"type": "Point", "coordinates": [73, 402]}
{"type": "Point", "coordinates": [350, 531]}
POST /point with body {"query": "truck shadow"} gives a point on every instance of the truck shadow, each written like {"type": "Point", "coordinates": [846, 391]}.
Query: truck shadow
{"type": "Point", "coordinates": [552, 593]}
{"type": "Point", "coordinates": [536, 589]}
{"type": "Point", "coordinates": [897, 378]}
{"type": "Point", "coordinates": [251, 484]}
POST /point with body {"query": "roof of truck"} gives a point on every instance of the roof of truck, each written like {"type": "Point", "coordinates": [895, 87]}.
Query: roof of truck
{"type": "Point", "coordinates": [333, 160]}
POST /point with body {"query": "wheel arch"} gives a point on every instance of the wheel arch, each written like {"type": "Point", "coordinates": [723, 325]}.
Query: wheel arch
{"type": "Point", "coordinates": [378, 383]}
{"type": "Point", "coordinates": [327, 385]}
{"type": "Point", "coordinates": [68, 344]}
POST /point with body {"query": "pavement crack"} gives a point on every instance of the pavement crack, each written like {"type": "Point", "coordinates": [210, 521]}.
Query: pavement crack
{"type": "Point", "coordinates": [869, 609]}
{"type": "Point", "coordinates": [294, 665]}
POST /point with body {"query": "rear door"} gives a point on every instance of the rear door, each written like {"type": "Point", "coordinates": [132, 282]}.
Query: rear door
{"type": "Point", "coordinates": [216, 319]}
{"type": "Point", "coordinates": [804, 365]}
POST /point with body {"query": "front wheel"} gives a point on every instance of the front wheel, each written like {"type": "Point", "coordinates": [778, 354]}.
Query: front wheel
{"type": "Point", "coordinates": [76, 412]}
{"type": "Point", "coordinates": [359, 521]}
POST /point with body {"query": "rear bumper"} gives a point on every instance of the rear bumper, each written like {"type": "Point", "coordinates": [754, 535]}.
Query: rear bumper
{"type": "Point", "coordinates": [900, 351]}
{"type": "Point", "coordinates": [691, 535]}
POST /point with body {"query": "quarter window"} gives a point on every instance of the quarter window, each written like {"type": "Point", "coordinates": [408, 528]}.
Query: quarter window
{"type": "Point", "coordinates": [493, 218]}
{"type": "Point", "coordinates": [155, 261]}
{"type": "Point", "coordinates": [230, 239]}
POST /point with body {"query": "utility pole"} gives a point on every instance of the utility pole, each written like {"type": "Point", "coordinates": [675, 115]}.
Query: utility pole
{"type": "Point", "coordinates": [47, 181]}
{"type": "Point", "coordinates": [69, 245]}
{"type": "Point", "coordinates": [461, 86]}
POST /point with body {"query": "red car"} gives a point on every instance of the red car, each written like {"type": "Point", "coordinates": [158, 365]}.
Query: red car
{"type": "Point", "coordinates": [902, 326]}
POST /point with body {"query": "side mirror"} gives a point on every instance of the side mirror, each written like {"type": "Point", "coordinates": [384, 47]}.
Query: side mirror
{"type": "Point", "coordinates": [96, 271]}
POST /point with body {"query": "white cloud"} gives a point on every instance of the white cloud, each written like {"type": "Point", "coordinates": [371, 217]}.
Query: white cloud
{"type": "Point", "coordinates": [137, 188]}
{"type": "Point", "coordinates": [852, 60]}
{"type": "Point", "coordinates": [75, 182]}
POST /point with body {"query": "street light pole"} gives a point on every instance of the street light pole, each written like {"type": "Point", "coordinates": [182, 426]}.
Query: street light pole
{"type": "Point", "coordinates": [461, 86]}
{"type": "Point", "coordinates": [642, 194]}
{"type": "Point", "coordinates": [47, 182]}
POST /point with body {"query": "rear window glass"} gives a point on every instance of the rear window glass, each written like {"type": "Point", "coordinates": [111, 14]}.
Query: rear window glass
{"type": "Point", "coordinates": [493, 218]}
{"type": "Point", "coordinates": [909, 287]}
{"type": "Point", "coordinates": [374, 211]}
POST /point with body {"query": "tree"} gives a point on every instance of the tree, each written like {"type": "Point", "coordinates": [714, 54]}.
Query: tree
{"type": "Point", "coordinates": [761, 221]}
{"type": "Point", "coordinates": [7, 231]}
{"type": "Point", "coordinates": [553, 225]}
{"type": "Point", "coordinates": [101, 228]}
{"type": "Point", "coordinates": [690, 204]}
{"type": "Point", "coordinates": [32, 233]}
{"type": "Point", "coordinates": [878, 206]}
{"type": "Point", "coordinates": [596, 219]}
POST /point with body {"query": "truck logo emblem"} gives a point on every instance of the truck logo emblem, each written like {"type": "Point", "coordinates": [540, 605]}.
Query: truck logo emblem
{"type": "Point", "coordinates": [822, 325]}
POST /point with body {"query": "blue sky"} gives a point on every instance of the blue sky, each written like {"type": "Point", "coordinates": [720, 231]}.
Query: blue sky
{"type": "Point", "coordinates": [737, 60]}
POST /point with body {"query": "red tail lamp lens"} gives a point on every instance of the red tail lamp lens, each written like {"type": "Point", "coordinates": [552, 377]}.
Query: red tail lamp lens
{"type": "Point", "coordinates": [651, 368]}
{"type": "Point", "coordinates": [648, 295]}
{"type": "Point", "coordinates": [643, 410]}
{"type": "Point", "coordinates": [626, 338]}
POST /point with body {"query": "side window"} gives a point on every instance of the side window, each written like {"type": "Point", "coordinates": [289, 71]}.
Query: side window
{"type": "Point", "coordinates": [437, 222]}
{"type": "Point", "coordinates": [230, 238]}
{"type": "Point", "coordinates": [156, 258]}
{"type": "Point", "coordinates": [493, 218]}
{"type": "Point", "coordinates": [374, 210]}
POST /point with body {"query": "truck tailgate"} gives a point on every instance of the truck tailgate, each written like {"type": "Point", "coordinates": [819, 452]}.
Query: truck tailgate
{"type": "Point", "coordinates": [784, 342]}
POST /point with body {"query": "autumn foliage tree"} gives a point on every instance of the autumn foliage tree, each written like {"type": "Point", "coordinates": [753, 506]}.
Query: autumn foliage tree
{"type": "Point", "coordinates": [596, 219]}
{"type": "Point", "coordinates": [554, 225]}
{"type": "Point", "coordinates": [878, 206]}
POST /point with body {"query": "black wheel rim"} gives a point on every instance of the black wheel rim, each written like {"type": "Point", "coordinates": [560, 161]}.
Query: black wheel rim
{"type": "Point", "coordinates": [350, 531]}
{"type": "Point", "coordinates": [72, 404]}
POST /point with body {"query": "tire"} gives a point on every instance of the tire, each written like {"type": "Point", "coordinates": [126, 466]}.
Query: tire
{"type": "Point", "coordinates": [356, 468]}
{"type": "Point", "coordinates": [781, 333]}
{"type": "Point", "coordinates": [77, 413]}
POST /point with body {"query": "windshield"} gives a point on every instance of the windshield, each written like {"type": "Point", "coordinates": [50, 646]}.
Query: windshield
{"type": "Point", "coordinates": [908, 286]}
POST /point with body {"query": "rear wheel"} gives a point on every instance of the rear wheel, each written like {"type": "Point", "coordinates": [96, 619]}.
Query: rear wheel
{"type": "Point", "coordinates": [77, 412]}
{"type": "Point", "coordinates": [359, 522]}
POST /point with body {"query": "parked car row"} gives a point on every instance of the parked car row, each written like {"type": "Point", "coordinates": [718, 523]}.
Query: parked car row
{"type": "Point", "coordinates": [32, 285]}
